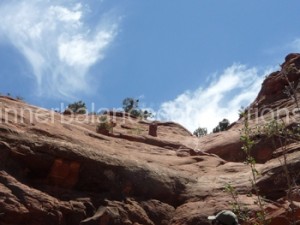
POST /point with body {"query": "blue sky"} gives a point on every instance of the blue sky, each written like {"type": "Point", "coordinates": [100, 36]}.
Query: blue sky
{"type": "Point", "coordinates": [194, 62]}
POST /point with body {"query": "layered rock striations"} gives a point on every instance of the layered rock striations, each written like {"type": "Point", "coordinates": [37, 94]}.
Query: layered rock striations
{"type": "Point", "coordinates": [55, 169]}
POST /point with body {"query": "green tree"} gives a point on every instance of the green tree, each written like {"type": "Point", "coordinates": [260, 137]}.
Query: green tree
{"type": "Point", "coordinates": [223, 125]}
{"type": "Point", "coordinates": [130, 104]}
{"type": "Point", "coordinates": [77, 107]}
{"type": "Point", "coordinates": [135, 112]}
{"type": "Point", "coordinates": [200, 131]}
{"type": "Point", "coordinates": [146, 114]}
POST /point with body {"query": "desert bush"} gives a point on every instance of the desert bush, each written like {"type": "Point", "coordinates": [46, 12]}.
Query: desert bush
{"type": "Point", "coordinates": [200, 131]}
{"type": "Point", "coordinates": [78, 107]}
{"type": "Point", "coordinates": [105, 126]}
{"type": "Point", "coordinates": [131, 106]}
{"type": "Point", "coordinates": [20, 98]}
{"type": "Point", "coordinates": [223, 125]}
{"type": "Point", "coordinates": [145, 114]}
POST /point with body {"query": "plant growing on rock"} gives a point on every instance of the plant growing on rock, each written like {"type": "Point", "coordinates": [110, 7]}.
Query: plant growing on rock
{"type": "Point", "coordinates": [237, 207]}
{"type": "Point", "coordinates": [20, 98]}
{"type": "Point", "coordinates": [131, 106]}
{"type": "Point", "coordinates": [78, 107]}
{"type": "Point", "coordinates": [223, 125]}
{"type": "Point", "coordinates": [146, 114]}
{"type": "Point", "coordinates": [282, 137]}
{"type": "Point", "coordinates": [281, 134]}
{"type": "Point", "coordinates": [200, 132]}
{"type": "Point", "coordinates": [105, 126]}
{"type": "Point", "coordinates": [248, 144]}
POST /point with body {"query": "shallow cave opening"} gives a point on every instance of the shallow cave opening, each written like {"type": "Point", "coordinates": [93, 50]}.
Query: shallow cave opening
{"type": "Point", "coordinates": [37, 175]}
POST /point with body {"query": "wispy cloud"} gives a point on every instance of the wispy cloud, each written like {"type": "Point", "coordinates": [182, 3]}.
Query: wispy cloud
{"type": "Point", "coordinates": [222, 98]}
{"type": "Point", "coordinates": [295, 45]}
{"type": "Point", "coordinates": [287, 47]}
{"type": "Point", "coordinates": [56, 41]}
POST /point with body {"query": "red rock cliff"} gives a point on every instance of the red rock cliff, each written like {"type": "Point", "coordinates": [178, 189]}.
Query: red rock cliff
{"type": "Point", "coordinates": [55, 169]}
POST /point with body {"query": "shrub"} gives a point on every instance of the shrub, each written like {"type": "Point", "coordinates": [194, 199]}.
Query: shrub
{"type": "Point", "coordinates": [200, 131]}
{"type": "Point", "coordinates": [223, 125]}
{"type": "Point", "coordinates": [130, 104]}
{"type": "Point", "coordinates": [145, 114]}
{"type": "Point", "coordinates": [76, 107]}
{"type": "Point", "coordinates": [104, 126]}
{"type": "Point", "coordinates": [20, 98]}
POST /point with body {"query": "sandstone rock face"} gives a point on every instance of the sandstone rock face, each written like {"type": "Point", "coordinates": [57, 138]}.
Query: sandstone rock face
{"type": "Point", "coordinates": [55, 169]}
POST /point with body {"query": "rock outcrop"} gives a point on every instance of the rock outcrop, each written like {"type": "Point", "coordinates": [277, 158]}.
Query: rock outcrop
{"type": "Point", "coordinates": [55, 169]}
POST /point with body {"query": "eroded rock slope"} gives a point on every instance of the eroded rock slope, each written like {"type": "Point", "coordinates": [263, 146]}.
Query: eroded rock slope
{"type": "Point", "coordinates": [55, 169]}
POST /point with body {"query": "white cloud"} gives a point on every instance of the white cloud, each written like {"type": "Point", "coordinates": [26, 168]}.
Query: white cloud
{"type": "Point", "coordinates": [65, 14]}
{"type": "Point", "coordinates": [237, 86]}
{"type": "Point", "coordinates": [295, 45]}
{"type": "Point", "coordinates": [56, 41]}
